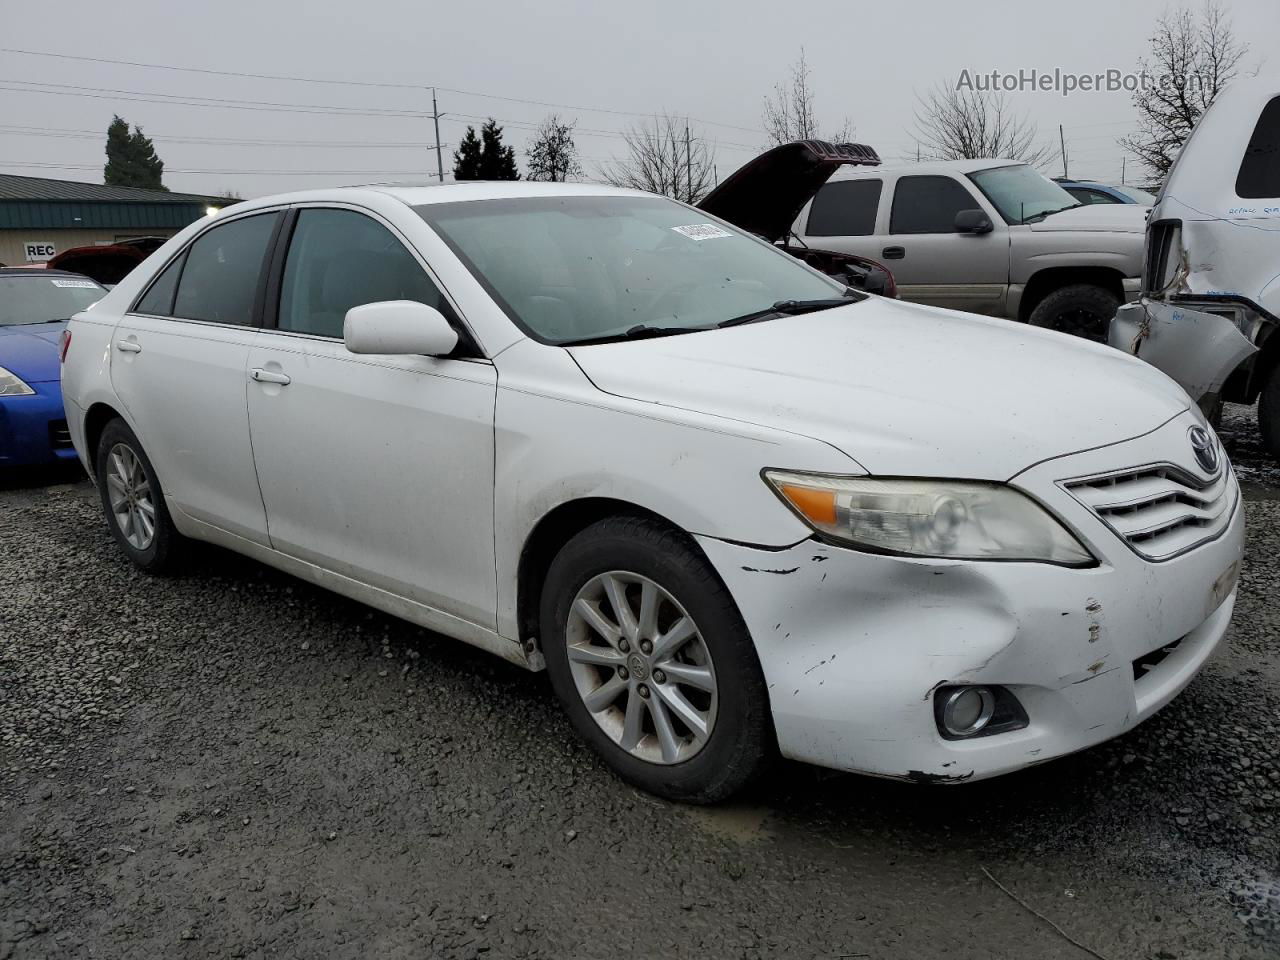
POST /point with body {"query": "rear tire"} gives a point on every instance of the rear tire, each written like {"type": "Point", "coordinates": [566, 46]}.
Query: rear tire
{"type": "Point", "coordinates": [641, 682]}
{"type": "Point", "coordinates": [133, 502]}
{"type": "Point", "coordinates": [1269, 411]}
{"type": "Point", "coordinates": [1081, 310]}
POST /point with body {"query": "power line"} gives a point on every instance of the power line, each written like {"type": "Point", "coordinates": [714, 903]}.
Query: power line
{"type": "Point", "coordinates": [226, 172]}
{"type": "Point", "coordinates": [359, 83]}
{"type": "Point", "coordinates": [61, 133]}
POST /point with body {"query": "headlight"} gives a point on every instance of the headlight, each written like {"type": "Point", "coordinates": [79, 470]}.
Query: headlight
{"type": "Point", "coordinates": [12, 386]}
{"type": "Point", "coordinates": [962, 520]}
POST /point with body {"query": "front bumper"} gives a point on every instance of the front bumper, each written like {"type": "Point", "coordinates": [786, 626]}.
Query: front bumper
{"type": "Point", "coordinates": [33, 428]}
{"type": "Point", "coordinates": [853, 645]}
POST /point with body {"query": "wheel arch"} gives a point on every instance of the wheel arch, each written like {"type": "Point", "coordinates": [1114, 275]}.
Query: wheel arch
{"type": "Point", "coordinates": [96, 419]}
{"type": "Point", "coordinates": [552, 531]}
{"type": "Point", "coordinates": [1044, 282]}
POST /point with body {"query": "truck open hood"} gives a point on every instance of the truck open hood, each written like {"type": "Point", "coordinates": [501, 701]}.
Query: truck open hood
{"type": "Point", "coordinates": [765, 195]}
{"type": "Point", "coordinates": [903, 389]}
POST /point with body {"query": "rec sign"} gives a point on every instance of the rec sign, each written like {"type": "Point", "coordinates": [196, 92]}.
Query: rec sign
{"type": "Point", "coordinates": [39, 252]}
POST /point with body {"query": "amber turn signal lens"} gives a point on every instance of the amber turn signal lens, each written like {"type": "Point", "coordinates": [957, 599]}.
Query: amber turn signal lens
{"type": "Point", "coordinates": [817, 506]}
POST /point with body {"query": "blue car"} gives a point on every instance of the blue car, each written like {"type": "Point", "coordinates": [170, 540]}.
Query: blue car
{"type": "Point", "coordinates": [34, 308]}
{"type": "Point", "coordinates": [1089, 191]}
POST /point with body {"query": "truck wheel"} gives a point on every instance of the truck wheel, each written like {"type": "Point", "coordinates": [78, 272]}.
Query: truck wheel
{"type": "Point", "coordinates": [1081, 310]}
{"type": "Point", "coordinates": [1269, 412]}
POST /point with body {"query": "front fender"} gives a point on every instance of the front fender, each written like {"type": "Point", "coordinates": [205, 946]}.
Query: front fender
{"type": "Point", "coordinates": [559, 439]}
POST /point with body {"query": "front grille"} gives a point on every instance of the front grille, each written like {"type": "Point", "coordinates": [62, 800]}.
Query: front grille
{"type": "Point", "coordinates": [1160, 511]}
{"type": "Point", "coordinates": [59, 435]}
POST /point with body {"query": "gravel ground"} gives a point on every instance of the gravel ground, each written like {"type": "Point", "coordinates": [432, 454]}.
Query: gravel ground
{"type": "Point", "coordinates": [235, 764]}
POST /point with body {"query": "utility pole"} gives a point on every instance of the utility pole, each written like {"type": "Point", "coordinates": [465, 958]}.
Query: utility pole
{"type": "Point", "coordinates": [688, 159]}
{"type": "Point", "coordinates": [435, 116]}
{"type": "Point", "coordinates": [1122, 163]}
{"type": "Point", "coordinates": [1062, 138]}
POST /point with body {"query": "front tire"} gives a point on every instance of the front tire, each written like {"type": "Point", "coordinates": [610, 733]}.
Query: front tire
{"type": "Point", "coordinates": [1080, 309]}
{"type": "Point", "coordinates": [133, 502]}
{"type": "Point", "coordinates": [653, 662]}
{"type": "Point", "coordinates": [1269, 411]}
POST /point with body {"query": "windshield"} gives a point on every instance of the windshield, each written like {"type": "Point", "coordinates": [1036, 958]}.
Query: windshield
{"type": "Point", "coordinates": [1137, 196]}
{"type": "Point", "coordinates": [38, 299]}
{"type": "Point", "coordinates": [1021, 194]}
{"type": "Point", "coordinates": [567, 269]}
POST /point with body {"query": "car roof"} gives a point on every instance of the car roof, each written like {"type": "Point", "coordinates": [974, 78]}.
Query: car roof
{"type": "Point", "coordinates": [926, 167]}
{"type": "Point", "coordinates": [427, 193]}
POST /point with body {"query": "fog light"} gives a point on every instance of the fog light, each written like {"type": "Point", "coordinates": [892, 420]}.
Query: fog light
{"type": "Point", "coordinates": [967, 710]}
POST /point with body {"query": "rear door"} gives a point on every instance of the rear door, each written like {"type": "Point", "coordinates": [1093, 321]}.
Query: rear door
{"type": "Point", "coordinates": [932, 262]}
{"type": "Point", "coordinates": [842, 217]}
{"type": "Point", "coordinates": [178, 362]}
{"type": "Point", "coordinates": [376, 467]}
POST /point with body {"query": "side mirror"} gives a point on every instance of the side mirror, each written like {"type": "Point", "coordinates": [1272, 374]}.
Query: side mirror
{"type": "Point", "coordinates": [972, 221]}
{"type": "Point", "coordinates": [398, 327]}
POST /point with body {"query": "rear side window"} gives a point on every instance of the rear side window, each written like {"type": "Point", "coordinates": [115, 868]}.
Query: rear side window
{"type": "Point", "coordinates": [339, 259]}
{"type": "Point", "coordinates": [220, 279]}
{"type": "Point", "coordinates": [158, 301]}
{"type": "Point", "coordinates": [1085, 195]}
{"type": "Point", "coordinates": [1260, 170]}
{"type": "Point", "coordinates": [928, 205]}
{"type": "Point", "coordinates": [846, 208]}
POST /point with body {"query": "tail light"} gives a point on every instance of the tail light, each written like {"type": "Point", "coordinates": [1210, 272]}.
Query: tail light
{"type": "Point", "coordinates": [64, 344]}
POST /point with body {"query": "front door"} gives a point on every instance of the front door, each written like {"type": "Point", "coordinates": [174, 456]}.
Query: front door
{"type": "Point", "coordinates": [934, 264]}
{"type": "Point", "coordinates": [178, 365]}
{"type": "Point", "coordinates": [376, 467]}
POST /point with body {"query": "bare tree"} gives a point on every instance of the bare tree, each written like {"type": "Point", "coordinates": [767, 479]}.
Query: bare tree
{"type": "Point", "coordinates": [553, 155]}
{"type": "Point", "coordinates": [956, 123]}
{"type": "Point", "coordinates": [789, 113]}
{"type": "Point", "coordinates": [664, 156]}
{"type": "Point", "coordinates": [1192, 58]}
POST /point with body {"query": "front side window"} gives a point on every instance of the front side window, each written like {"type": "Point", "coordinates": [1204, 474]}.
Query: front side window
{"type": "Point", "coordinates": [845, 208]}
{"type": "Point", "coordinates": [1021, 194]}
{"type": "Point", "coordinates": [928, 205]}
{"type": "Point", "coordinates": [220, 278]}
{"type": "Point", "coordinates": [576, 268]}
{"type": "Point", "coordinates": [339, 259]}
{"type": "Point", "coordinates": [38, 299]}
{"type": "Point", "coordinates": [1259, 175]}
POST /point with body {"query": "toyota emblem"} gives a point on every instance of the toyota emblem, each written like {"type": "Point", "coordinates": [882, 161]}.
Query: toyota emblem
{"type": "Point", "coordinates": [1205, 448]}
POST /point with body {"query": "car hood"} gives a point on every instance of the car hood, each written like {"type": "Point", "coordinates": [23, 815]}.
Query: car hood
{"type": "Point", "coordinates": [765, 195]}
{"type": "Point", "coordinates": [31, 350]}
{"type": "Point", "coordinates": [1098, 217]}
{"type": "Point", "coordinates": [903, 389]}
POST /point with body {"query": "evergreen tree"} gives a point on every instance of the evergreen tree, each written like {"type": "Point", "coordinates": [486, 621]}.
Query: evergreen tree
{"type": "Point", "coordinates": [497, 162]}
{"type": "Point", "coordinates": [466, 159]}
{"type": "Point", "coordinates": [131, 158]}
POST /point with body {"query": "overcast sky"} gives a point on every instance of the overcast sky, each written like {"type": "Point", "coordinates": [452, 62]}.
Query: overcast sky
{"type": "Point", "coordinates": [714, 60]}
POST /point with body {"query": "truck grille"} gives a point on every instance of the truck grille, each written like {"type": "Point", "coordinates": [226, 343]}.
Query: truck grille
{"type": "Point", "coordinates": [1160, 511]}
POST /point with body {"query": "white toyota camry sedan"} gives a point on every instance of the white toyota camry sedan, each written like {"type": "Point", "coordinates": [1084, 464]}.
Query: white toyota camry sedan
{"type": "Point", "coordinates": [733, 507]}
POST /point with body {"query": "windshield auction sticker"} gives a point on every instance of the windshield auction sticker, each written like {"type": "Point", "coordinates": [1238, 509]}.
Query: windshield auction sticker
{"type": "Point", "coordinates": [702, 231]}
{"type": "Point", "coordinates": [85, 284]}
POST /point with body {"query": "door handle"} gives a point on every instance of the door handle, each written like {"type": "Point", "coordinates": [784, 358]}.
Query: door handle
{"type": "Point", "coordinates": [270, 376]}
{"type": "Point", "coordinates": [893, 253]}
{"type": "Point", "coordinates": [128, 346]}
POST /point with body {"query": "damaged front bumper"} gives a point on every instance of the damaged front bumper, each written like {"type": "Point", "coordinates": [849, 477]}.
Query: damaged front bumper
{"type": "Point", "coordinates": [854, 645]}
{"type": "Point", "coordinates": [1198, 350]}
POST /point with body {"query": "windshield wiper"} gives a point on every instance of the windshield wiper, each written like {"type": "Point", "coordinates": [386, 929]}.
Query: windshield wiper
{"type": "Point", "coordinates": [1037, 217]}
{"type": "Point", "coordinates": [788, 308]}
{"type": "Point", "coordinates": [641, 331]}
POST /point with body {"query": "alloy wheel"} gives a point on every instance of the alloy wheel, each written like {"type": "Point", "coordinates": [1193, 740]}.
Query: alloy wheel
{"type": "Point", "coordinates": [642, 668]}
{"type": "Point", "coordinates": [129, 494]}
